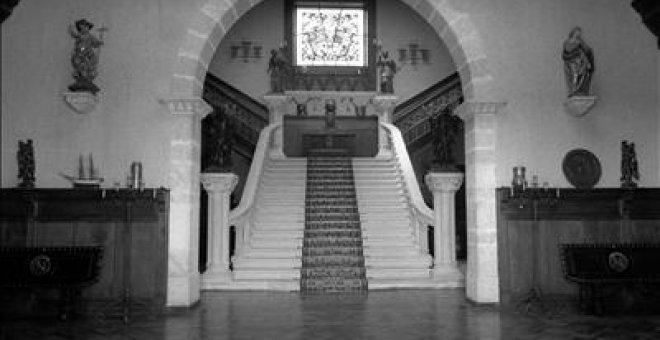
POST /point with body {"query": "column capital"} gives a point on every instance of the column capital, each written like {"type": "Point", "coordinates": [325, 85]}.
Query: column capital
{"type": "Point", "coordinates": [384, 106]}
{"type": "Point", "coordinates": [444, 182]}
{"type": "Point", "coordinates": [221, 182]}
{"type": "Point", "coordinates": [187, 106]}
{"type": "Point", "coordinates": [469, 110]}
{"type": "Point", "coordinates": [277, 106]}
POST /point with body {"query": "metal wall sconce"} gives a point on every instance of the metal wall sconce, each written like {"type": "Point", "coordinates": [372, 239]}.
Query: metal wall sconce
{"type": "Point", "coordinates": [414, 55]}
{"type": "Point", "coordinates": [245, 51]}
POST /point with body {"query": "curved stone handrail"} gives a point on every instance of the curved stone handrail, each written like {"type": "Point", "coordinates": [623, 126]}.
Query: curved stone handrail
{"type": "Point", "coordinates": [243, 209]}
{"type": "Point", "coordinates": [422, 212]}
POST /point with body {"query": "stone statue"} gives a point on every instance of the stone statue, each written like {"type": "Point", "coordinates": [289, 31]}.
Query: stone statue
{"type": "Point", "coordinates": [578, 64]}
{"type": "Point", "coordinates": [629, 171]}
{"type": "Point", "coordinates": [278, 67]}
{"type": "Point", "coordinates": [217, 142]}
{"type": "Point", "coordinates": [25, 156]}
{"type": "Point", "coordinates": [387, 70]}
{"type": "Point", "coordinates": [85, 57]}
{"type": "Point", "coordinates": [445, 127]}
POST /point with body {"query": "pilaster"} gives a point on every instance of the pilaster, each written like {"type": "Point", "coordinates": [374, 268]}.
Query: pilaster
{"type": "Point", "coordinates": [482, 281]}
{"type": "Point", "coordinates": [183, 279]}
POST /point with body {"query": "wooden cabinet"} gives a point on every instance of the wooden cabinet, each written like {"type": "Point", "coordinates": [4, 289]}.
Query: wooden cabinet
{"type": "Point", "coordinates": [130, 225]}
{"type": "Point", "coordinates": [531, 228]}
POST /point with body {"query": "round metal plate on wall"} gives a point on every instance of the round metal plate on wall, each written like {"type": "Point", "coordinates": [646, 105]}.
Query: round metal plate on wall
{"type": "Point", "coordinates": [581, 168]}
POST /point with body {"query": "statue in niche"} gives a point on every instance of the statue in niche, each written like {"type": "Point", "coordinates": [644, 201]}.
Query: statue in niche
{"type": "Point", "coordinates": [85, 56]}
{"type": "Point", "coordinates": [387, 70]}
{"type": "Point", "coordinates": [330, 113]}
{"type": "Point", "coordinates": [25, 156]}
{"type": "Point", "coordinates": [629, 171]}
{"type": "Point", "coordinates": [578, 64]}
{"type": "Point", "coordinates": [445, 127]}
{"type": "Point", "coordinates": [217, 142]}
{"type": "Point", "coordinates": [278, 67]}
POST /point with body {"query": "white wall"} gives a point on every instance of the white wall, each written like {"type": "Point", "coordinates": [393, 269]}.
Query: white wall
{"type": "Point", "coordinates": [522, 41]}
{"type": "Point", "coordinates": [135, 68]}
{"type": "Point", "coordinates": [397, 26]}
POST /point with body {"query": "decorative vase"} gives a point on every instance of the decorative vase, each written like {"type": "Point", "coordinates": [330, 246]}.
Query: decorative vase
{"type": "Point", "coordinates": [518, 182]}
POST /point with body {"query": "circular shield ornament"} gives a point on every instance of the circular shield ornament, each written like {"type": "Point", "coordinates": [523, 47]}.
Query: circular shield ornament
{"type": "Point", "coordinates": [581, 168]}
{"type": "Point", "coordinates": [40, 265]}
{"type": "Point", "coordinates": [618, 262]}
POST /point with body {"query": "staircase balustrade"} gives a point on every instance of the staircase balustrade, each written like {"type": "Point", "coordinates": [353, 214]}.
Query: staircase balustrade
{"type": "Point", "coordinates": [413, 116]}
{"type": "Point", "coordinates": [241, 216]}
{"type": "Point", "coordinates": [421, 213]}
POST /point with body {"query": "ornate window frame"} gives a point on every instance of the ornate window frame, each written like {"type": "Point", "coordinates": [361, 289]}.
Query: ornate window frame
{"type": "Point", "coordinates": [332, 78]}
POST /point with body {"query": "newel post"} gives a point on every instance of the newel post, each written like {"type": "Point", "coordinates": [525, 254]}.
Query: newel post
{"type": "Point", "coordinates": [219, 187]}
{"type": "Point", "coordinates": [444, 185]}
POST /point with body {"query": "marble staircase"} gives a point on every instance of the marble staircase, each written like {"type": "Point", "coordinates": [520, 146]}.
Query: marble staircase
{"type": "Point", "coordinates": [393, 254]}
{"type": "Point", "coordinates": [271, 258]}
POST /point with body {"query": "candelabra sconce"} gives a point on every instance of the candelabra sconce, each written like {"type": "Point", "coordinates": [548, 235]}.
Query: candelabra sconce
{"type": "Point", "coordinates": [414, 55]}
{"type": "Point", "coordinates": [245, 51]}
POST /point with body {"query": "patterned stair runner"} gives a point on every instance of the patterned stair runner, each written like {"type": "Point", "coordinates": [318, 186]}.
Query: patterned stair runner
{"type": "Point", "coordinates": [333, 259]}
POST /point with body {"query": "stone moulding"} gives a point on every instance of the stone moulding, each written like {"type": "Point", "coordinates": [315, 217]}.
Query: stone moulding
{"type": "Point", "coordinates": [579, 106]}
{"type": "Point", "coordinates": [81, 102]}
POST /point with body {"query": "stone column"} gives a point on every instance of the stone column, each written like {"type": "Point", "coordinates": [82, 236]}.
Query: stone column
{"type": "Point", "coordinates": [482, 279]}
{"type": "Point", "coordinates": [278, 106]}
{"type": "Point", "coordinates": [384, 107]}
{"type": "Point", "coordinates": [444, 185]}
{"type": "Point", "coordinates": [183, 279]}
{"type": "Point", "coordinates": [219, 186]}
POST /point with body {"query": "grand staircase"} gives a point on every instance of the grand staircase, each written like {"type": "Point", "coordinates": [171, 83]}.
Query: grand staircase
{"type": "Point", "coordinates": [332, 225]}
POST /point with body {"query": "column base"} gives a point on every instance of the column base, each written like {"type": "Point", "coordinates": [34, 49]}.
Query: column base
{"type": "Point", "coordinates": [216, 278]}
{"type": "Point", "coordinates": [449, 274]}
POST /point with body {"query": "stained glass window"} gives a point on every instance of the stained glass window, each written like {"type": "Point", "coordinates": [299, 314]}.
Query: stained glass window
{"type": "Point", "coordinates": [330, 37]}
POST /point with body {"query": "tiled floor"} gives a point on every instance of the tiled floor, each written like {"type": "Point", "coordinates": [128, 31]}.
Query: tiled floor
{"type": "Point", "coordinates": [396, 314]}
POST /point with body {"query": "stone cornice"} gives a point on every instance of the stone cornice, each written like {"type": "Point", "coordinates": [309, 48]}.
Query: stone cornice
{"type": "Point", "coordinates": [187, 106]}
{"type": "Point", "coordinates": [468, 110]}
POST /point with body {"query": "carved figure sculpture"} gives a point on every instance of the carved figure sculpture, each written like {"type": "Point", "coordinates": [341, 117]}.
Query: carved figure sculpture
{"type": "Point", "coordinates": [278, 67]}
{"type": "Point", "coordinates": [217, 142]}
{"type": "Point", "coordinates": [25, 156]}
{"type": "Point", "coordinates": [85, 56]}
{"type": "Point", "coordinates": [387, 70]}
{"type": "Point", "coordinates": [629, 170]}
{"type": "Point", "coordinates": [445, 127]}
{"type": "Point", "coordinates": [578, 64]}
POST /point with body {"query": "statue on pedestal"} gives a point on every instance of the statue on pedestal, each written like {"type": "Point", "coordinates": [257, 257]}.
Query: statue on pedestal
{"type": "Point", "coordinates": [217, 142]}
{"type": "Point", "coordinates": [445, 127]}
{"type": "Point", "coordinates": [629, 171]}
{"type": "Point", "coordinates": [85, 56]}
{"type": "Point", "coordinates": [578, 63]}
{"type": "Point", "coordinates": [387, 70]}
{"type": "Point", "coordinates": [25, 157]}
{"type": "Point", "coordinates": [278, 67]}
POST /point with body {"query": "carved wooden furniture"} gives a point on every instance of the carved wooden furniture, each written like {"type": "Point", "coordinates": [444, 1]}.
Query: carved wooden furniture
{"type": "Point", "coordinates": [596, 266]}
{"type": "Point", "coordinates": [130, 225]}
{"type": "Point", "coordinates": [67, 269]}
{"type": "Point", "coordinates": [531, 227]}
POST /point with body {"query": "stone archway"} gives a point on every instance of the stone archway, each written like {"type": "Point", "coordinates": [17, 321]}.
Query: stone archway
{"type": "Point", "coordinates": [208, 27]}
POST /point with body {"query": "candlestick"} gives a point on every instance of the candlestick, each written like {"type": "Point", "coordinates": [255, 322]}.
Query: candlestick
{"type": "Point", "coordinates": [81, 167]}
{"type": "Point", "coordinates": [91, 167]}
